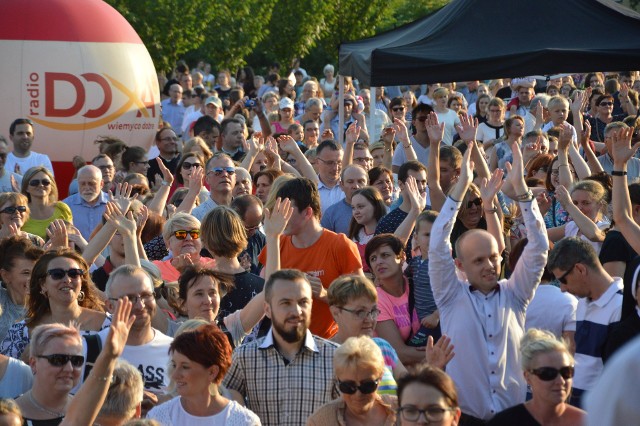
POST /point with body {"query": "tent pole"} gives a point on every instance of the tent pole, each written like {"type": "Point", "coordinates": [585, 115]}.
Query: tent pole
{"type": "Point", "coordinates": [340, 135]}
{"type": "Point", "coordinates": [372, 113]}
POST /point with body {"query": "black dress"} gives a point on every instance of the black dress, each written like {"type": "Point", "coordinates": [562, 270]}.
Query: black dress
{"type": "Point", "coordinates": [516, 415]}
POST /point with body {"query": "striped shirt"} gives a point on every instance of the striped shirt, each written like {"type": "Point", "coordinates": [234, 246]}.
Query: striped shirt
{"type": "Point", "coordinates": [279, 391]}
{"type": "Point", "coordinates": [387, 384]}
{"type": "Point", "coordinates": [425, 303]}
{"type": "Point", "coordinates": [594, 320]}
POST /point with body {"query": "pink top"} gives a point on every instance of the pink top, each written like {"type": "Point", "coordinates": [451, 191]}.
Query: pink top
{"type": "Point", "coordinates": [171, 274]}
{"type": "Point", "coordinates": [397, 309]}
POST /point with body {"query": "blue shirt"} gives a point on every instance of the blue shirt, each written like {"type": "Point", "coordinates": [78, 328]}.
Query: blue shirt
{"type": "Point", "coordinates": [337, 217]}
{"type": "Point", "coordinates": [173, 114]}
{"type": "Point", "coordinates": [85, 216]}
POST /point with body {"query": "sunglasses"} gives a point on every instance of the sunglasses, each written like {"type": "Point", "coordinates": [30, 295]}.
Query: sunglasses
{"type": "Point", "coordinates": [606, 103]}
{"type": "Point", "coordinates": [219, 170]}
{"type": "Point", "coordinates": [365, 387]}
{"type": "Point", "coordinates": [563, 278]}
{"type": "Point", "coordinates": [60, 360]}
{"type": "Point", "coordinates": [13, 209]}
{"type": "Point", "coordinates": [37, 182]}
{"type": "Point", "coordinates": [188, 166]}
{"type": "Point", "coordinates": [182, 234]}
{"type": "Point", "coordinates": [476, 201]}
{"type": "Point", "coordinates": [398, 109]}
{"type": "Point", "coordinates": [549, 373]}
{"type": "Point", "coordinates": [59, 273]}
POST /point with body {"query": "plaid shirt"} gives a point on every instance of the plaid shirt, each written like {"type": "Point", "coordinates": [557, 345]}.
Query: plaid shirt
{"type": "Point", "coordinates": [281, 392]}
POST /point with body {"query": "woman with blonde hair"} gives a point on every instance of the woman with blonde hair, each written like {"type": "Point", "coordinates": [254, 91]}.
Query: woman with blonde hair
{"type": "Point", "coordinates": [198, 146]}
{"type": "Point", "coordinates": [14, 213]}
{"type": "Point", "coordinates": [39, 186]}
{"type": "Point", "coordinates": [358, 365]}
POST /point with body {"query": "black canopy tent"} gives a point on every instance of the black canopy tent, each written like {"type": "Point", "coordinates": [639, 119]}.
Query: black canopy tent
{"type": "Point", "coordinates": [485, 39]}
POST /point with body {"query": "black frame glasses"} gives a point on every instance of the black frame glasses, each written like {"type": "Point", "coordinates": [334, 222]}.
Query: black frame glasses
{"type": "Point", "coordinates": [362, 314]}
{"type": "Point", "coordinates": [563, 278]}
{"type": "Point", "coordinates": [37, 182]}
{"type": "Point", "coordinates": [60, 360]}
{"type": "Point", "coordinates": [59, 273]}
{"type": "Point", "coordinates": [181, 234]}
{"type": "Point", "coordinates": [432, 414]}
{"type": "Point", "coordinates": [13, 209]}
{"type": "Point", "coordinates": [548, 374]}
{"type": "Point", "coordinates": [365, 387]}
{"type": "Point", "coordinates": [188, 166]}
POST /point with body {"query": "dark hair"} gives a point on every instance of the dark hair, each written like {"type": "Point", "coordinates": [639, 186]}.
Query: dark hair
{"type": "Point", "coordinates": [327, 144]}
{"type": "Point", "coordinates": [571, 250]}
{"type": "Point", "coordinates": [602, 98]}
{"type": "Point", "coordinates": [242, 203]}
{"type": "Point", "coordinates": [272, 174]}
{"type": "Point", "coordinates": [514, 256]}
{"type": "Point", "coordinates": [429, 216]}
{"type": "Point", "coordinates": [225, 123]}
{"type": "Point", "coordinates": [272, 78]}
{"type": "Point", "coordinates": [282, 274]}
{"type": "Point", "coordinates": [38, 303]}
{"type": "Point", "coordinates": [17, 121]}
{"type": "Point", "coordinates": [398, 100]}
{"type": "Point", "coordinates": [304, 193]}
{"type": "Point", "coordinates": [132, 154]}
{"type": "Point", "coordinates": [177, 173]}
{"type": "Point", "coordinates": [205, 124]}
{"type": "Point", "coordinates": [414, 165]}
{"type": "Point", "coordinates": [427, 375]}
{"type": "Point", "coordinates": [17, 247]}
{"type": "Point", "coordinates": [207, 345]}
{"type": "Point", "coordinates": [152, 228]}
{"type": "Point", "coordinates": [159, 132]}
{"type": "Point", "coordinates": [376, 172]}
{"type": "Point", "coordinates": [372, 195]}
{"type": "Point", "coordinates": [634, 193]}
{"type": "Point", "coordinates": [421, 108]}
{"type": "Point", "coordinates": [383, 240]}
{"type": "Point", "coordinates": [191, 274]}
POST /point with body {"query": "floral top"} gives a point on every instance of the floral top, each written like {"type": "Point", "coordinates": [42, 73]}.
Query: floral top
{"type": "Point", "coordinates": [556, 215]}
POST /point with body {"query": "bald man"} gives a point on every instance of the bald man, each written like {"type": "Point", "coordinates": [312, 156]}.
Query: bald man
{"type": "Point", "coordinates": [484, 316]}
{"type": "Point", "coordinates": [89, 203]}
{"type": "Point", "coordinates": [338, 216]}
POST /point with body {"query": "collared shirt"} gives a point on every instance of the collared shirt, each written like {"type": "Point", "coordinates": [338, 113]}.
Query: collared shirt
{"type": "Point", "coordinates": [338, 217]}
{"type": "Point", "coordinates": [329, 196]}
{"type": "Point", "coordinates": [204, 208]}
{"type": "Point", "coordinates": [279, 391]}
{"type": "Point", "coordinates": [86, 217]}
{"type": "Point", "coordinates": [633, 166]}
{"type": "Point", "coordinates": [486, 369]}
{"type": "Point", "coordinates": [173, 114]}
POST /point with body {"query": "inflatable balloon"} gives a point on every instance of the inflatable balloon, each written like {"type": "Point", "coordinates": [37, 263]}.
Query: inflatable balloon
{"type": "Point", "coordinates": [78, 70]}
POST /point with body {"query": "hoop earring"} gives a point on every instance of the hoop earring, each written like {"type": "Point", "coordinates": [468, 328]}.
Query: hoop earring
{"type": "Point", "coordinates": [80, 296]}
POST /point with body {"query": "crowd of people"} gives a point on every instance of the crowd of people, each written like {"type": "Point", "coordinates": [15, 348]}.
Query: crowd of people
{"type": "Point", "coordinates": [450, 256]}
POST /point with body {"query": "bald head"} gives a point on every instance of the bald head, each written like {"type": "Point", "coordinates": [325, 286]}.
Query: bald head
{"type": "Point", "coordinates": [478, 257]}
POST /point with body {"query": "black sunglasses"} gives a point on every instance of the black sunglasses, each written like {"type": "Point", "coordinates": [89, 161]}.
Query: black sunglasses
{"type": "Point", "coordinates": [563, 277]}
{"type": "Point", "coordinates": [549, 373]}
{"type": "Point", "coordinates": [476, 201]}
{"type": "Point", "coordinates": [37, 182]}
{"type": "Point", "coordinates": [188, 166]}
{"type": "Point", "coordinates": [60, 360]}
{"type": "Point", "coordinates": [365, 387]}
{"type": "Point", "coordinates": [59, 273]}
{"type": "Point", "coordinates": [13, 209]}
{"type": "Point", "coordinates": [182, 234]}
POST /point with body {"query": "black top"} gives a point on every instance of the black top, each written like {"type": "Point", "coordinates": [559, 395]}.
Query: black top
{"type": "Point", "coordinates": [154, 169]}
{"type": "Point", "coordinates": [247, 286]}
{"type": "Point", "coordinates": [50, 422]}
{"type": "Point", "coordinates": [621, 334]}
{"type": "Point", "coordinates": [517, 415]}
{"type": "Point", "coordinates": [615, 248]}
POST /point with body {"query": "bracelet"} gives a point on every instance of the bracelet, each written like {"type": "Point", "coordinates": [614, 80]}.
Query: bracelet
{"type": "Point", "coordinates": [388, 149]}
{"type": "Point", "coordinates": [618, 173]}
{"type": "Point", "coordinates": [407, 146]}
{"type": "Point", "coordinates": [165, 183]}
{"type": "Point", "coordinates": [494, 210]}
{"type": "Point", "coordinates": [527, 196]}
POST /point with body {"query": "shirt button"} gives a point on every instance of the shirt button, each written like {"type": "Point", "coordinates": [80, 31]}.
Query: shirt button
{"type": "Point", "coordinates": [491, 353]}
{"type": "Point", "coordinates": [491, 335]}
{"type": "Point", "coordinates": [489, 315]}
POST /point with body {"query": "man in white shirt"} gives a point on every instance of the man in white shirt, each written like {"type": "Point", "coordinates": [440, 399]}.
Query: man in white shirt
{"type": "Point", "coordinates": [484, 316]}
{"type": "Point", "coordinates": [21, 159]}
{"type": "Point", "coordinates": [329, 164]}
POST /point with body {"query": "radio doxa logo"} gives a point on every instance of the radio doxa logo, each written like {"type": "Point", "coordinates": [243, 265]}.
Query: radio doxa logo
{"type": "Point", "coordinates": [73, 98]}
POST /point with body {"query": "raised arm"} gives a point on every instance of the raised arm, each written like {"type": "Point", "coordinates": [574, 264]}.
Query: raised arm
{"type": "Point", "coordinates": [101, 240]}
{"type": "Point", "coordinates": [86, 404]}
{"type": "Point", "coordinates": [581, 166]}
{"type": "Point", "coordinates": [435, 131]}
{"type": "Point", "coordinates": [565, 177]}
{"type": "Point", "coordinates": [126, 226]}
{"type": "Point", "coordinates": [418, 203]}
{"type": "Point", "coordinates": [587, 227]}
{"type": "Point", "coordinates": [402, 133]}
{"type": "Point", "coordinates": [468, 129]}
{"type": "Point", "coordinates": [592, 159]}
{"type": "Point", "coordinates": [621, 151]}
{"type": "Point", "coordinates": [162, 194]}
{"type": "Point", "coordinates": [290, 146]}
{"type": "Point", "coordinates": [488, 191]}
{"type": "Point", "coordinates": [388, 135]}
{"type": "Point", "coordinates": [350, 140]}
{"type": "Point", "coordinates": [255, 144]}
{"type": "Point", "coordinates": [194, 188]}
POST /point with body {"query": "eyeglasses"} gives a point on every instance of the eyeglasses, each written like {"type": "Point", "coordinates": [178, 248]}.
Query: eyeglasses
{"type": "Point", "coordinates": [549, 373]}
{"type": "Point", "coordinates": [330, 163]}
{"type": "Point", "coordinates": [105, 168]}
{"type": "Point", "coordinates": [363, 160]}
{"type": "Point", "coordinates": [365, 387]}
{"type": "Point", "coordinates": [141, 162]}
{"type": "Point", "coordinates": [563, 278]}
{"type": "Point", "coordinates": [182, 234]}
{"type": "Point", "coordinates": [252, 228]}
{"type": "Point", "coordinates": [60, 360]}
{"type": "Point", "coordinates": [217, 171]}
{"type": "Point", "coordinates": [362, 314]}
{"type": "Point", "coordinates": [59, 273]}
{"type": "Point", "coordinates": [477, 201]}
{"type": "Point", "coordinates": [135, 298]}
{"type": "Point", "coordinates": [170, 139]}
{"type": "Point", "coordinates": [606, 104]}
{"type": "Point", "coordinates": [188, 166]}
{"type": "Point", "coordinates": [397, 109]}
{"type": "Point", "coordinates": [37, 182]}
{"type": "Point", "coordinates": [13, 209]}
{"type": "Point", "coordinates": [432, 414]}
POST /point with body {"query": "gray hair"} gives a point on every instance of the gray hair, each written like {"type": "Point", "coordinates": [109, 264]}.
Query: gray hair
{"type": "Point", "coordinates": [126, 270]}
{"type": "Point", "coordinates": [125, 392]}
{"type": "Point", "coordinates": [179, 221]}
{"type": "Point", "coordinates": [313, 102]}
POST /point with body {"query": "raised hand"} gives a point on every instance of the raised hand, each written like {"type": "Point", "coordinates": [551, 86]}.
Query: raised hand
{"type": "Point", "coordinates": [621, 150]}
{"type": "Point", "coordinates": [167, 176]}
{"type": "Point", "coordinates": [586, 134]}
{"type": "Point", "coordinates": [418, 200]}
{"type": "Point", "coordinates": [565, 137]}
{"type": "Point", "coordinates": [271, 152]}
{"type": "Point", "coordinates": [441, 353]}
{"type": "Point", "coordinates": [401, 131]}
{"type": "Point", "coordinates": [9, 230]}
{"type": "Point", "coordinates": [435, 130]}
{"type": "Point", "coordinates": [123, 224]}
{"type": "Point", "coordinates": [287, 144]}
{"type": "Point", "coordinates": [121, 322]}
{"type": "Point", "coordinates": [15, 187]}
{"type": "Point", "coordinates": [489, 188]}
{"type": "Point", "coordinates": [275, 221]}
{"type": "Point", "coordinates": [624, 91]}
{"type": "Point", "coordinates": [466, 168]}
{"type": "Point", "coordinates": [255, 143]}
{"type": "Point", "coordinates": [327, 134]}
{"type": "Point", "coordinates": [57, 233]}
{"type": "Point", "coordinates": [141, 218]}
{"type": "Point", "coordinates": [578, 101]}
{"type": "Point", "coordinates": [562, 195]}
{"type": "Point", "coordinates": [353, 132]}
{"type": "Point", "coordinates": [122, 196]}
{"type": "Point", "coordinates": [388, 134]}
{"type": "Point", "coordinates": [468, 128]}
{"type": "Point", "coordinates": [195, 180]}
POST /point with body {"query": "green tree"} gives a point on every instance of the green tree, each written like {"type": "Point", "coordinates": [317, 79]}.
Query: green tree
{"type": "Point", "coordinates": [168, 28]}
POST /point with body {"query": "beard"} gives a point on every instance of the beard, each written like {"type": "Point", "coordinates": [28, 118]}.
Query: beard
{"type": "Point", "coordinates": [290, 335]}
{"type": "Point", "coordinates": [89, 197]}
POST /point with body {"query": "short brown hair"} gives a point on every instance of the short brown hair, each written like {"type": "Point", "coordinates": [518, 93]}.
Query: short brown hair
{"type": "Point", "coordinates": [383, 240]}
{"type": "Point", "coordinates": [349, 287]}
{"type": "Point", "coordinates": [223, 232]}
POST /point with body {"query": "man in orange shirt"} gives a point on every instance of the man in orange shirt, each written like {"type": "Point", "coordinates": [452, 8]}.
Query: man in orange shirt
{"type": "Point", "coordinates": [321, 254]}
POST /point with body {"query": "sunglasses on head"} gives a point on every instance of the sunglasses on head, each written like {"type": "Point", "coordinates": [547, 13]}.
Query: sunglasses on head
{"type": "Point", "coordinates": [188, 166]}
{"type": "Point", "coordinates": [182, 234]}
{"type": "Point", "coordinates": [37, 182]}
{"type": "Point", "coordinates": [60, 360]}
{"type": "Point", "coordinates": [59, 273]}
{"type": "Point", "coordinates": [365, 387]}
{"type": "Point", "coordinates": [13, 209]}
{"type": "Point", "coordinates": [219, 170]}
{"type": "Point", "coordinates": [549, 373]}
{"type": "Point", "coordinates": [476, 201]}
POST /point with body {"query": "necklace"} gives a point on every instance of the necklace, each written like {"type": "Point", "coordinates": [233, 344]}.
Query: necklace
{"type": "Point", "coordinates": [55, 414]}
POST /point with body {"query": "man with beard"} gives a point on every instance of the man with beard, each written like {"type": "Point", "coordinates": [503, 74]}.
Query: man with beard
{"type": "Point", "coordinates": [22, 158]}
{"type": "Point", "coordinates": [89, 203]}
{"type": "Point", "coordinates": [288, 374]}
{"type": "Point", "coordinates": [167, 143]}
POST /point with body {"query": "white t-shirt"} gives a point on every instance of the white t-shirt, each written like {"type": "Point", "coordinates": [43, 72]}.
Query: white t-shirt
{"type": "Point", "coordinates": [552, 310]}
{"type": "Point", "coordinates": [34, 159]}
{"type": "Point", "coordinates": [171, 413]}
{"type": "Point", "coordinates": [450, 120]}
{"type": "Point", "coordinates": [400, 157]}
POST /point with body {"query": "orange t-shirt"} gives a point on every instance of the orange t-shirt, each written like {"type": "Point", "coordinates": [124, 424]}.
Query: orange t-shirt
{"type": "Point", "coordinates": [331, 256]}
{"type": "Point", "coordinates": [171, 274]}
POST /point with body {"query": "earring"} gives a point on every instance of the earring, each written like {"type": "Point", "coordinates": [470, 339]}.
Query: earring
{"type": "Point", "coordinates": [80, 296]}
{"type": "Point", "coordinates": [44, 293]}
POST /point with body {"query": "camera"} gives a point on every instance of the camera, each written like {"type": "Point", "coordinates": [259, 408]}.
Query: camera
{"type": "Point", "coordinates": [250, 103]}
